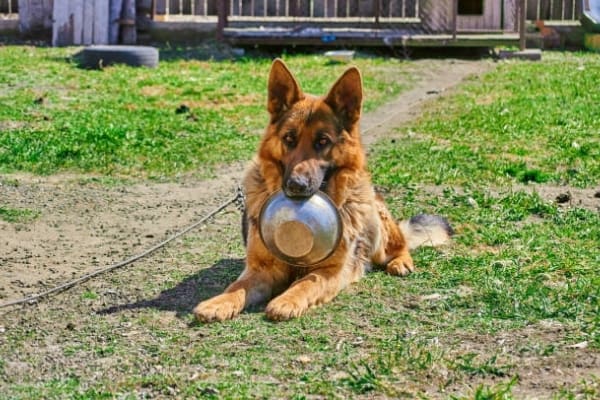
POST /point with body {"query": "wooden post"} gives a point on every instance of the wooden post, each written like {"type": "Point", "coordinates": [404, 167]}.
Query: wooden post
{"type": "Point", "coordinates": [62, 30]}
{"type": "Point", "coordinates": [101, 21]}
{"type": "Point", "coordinates": [454, 18]}
{"type": "Point", "coordinates": [522, 23]}
{"type": "Point", "coordinates": [128, 25]}
{"type": "Point", "coordinates": [222, 12]}
{"type": "Point", "coordinates": [293, 8]}
{"type": "Point", "coordinates": [376, 10]}
{"type": "Point", "coordinates": [115, 21]}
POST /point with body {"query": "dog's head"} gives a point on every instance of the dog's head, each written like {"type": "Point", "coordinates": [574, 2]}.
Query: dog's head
{"type": "Point", "coordinates": [311, 138]}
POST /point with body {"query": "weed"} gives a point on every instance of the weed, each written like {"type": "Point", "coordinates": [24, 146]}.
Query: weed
{"type": "Point", "coordinates": [18, 215]}
{"type": "Point", "coordinates": [467, 363]}
{"type": "Point", "coordinates": [501, 391]}
{"type": "Point", "coordinates": [89, 295]}
{"type": "Point", "coordinates": [362, 379]}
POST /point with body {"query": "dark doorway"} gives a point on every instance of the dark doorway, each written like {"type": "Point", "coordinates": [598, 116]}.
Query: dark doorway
{"type": "Point", "coordinates": [470, 7]}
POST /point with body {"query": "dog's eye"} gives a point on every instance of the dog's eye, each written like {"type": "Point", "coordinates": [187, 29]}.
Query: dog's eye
{"type": "Point", "coordinates": [322, 142]}
{"type": "Point", "coordinates": [290, 139]}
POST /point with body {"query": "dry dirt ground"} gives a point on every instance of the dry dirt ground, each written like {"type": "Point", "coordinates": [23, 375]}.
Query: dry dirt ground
{"type": "Point", "coordinates": [85, 225]}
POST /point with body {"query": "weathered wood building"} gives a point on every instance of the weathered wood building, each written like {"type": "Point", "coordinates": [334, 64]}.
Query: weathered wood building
{"type": "Point", "coordinates": [373, 22]}
{"type": "Point", "coordinates": [298, 22]}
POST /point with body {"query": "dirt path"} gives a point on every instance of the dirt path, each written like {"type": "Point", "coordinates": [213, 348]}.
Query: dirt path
{"type": "Point", "coordinates": [437, 77]}
{"type": "Point", "coordinates": [85, 225]}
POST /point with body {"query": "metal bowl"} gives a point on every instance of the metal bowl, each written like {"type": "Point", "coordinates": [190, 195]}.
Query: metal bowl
{"type": "Point", "coordinates": [300, 231]}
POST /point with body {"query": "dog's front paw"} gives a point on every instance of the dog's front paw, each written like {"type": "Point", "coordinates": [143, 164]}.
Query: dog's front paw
{"type": "Point", "coordinates": [283, 308]}
{"type": "Point", "coordinates": [219, 308]}
{"type": "Point", "coordinates": [401, 265]}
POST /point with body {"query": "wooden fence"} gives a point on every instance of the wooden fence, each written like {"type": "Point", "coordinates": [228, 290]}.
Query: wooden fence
{"type": "Point", "coordinates": [561, 10]}
{"type": "Point", "coordinates": [9, 6]}
{"type": "Point", "coordinates": [557, 10]}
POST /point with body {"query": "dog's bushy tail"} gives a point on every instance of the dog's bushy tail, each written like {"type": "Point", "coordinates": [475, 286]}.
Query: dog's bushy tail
{"type": "Point", "coordinates": [426, 230]}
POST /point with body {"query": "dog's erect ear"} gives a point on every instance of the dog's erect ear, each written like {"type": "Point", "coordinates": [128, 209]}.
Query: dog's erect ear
{"type": "Point", "coordinates": [284, 90]}
{"type": "Point", "coordinates": [345, 97]}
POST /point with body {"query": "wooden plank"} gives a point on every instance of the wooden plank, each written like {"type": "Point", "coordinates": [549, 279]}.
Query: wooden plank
{"type": "Point", "coordinates": [533, 9]}
{"type": "Point", "coordinates": [101, 22]}
{"type": "Point", "coordinates": [510, 16]}
{"type": "Point", "coordinates": [62, 27]}
{"type": "Point", "coordinates": [113, 24]}
{"type": "Point", "coordinates": [174, 7]}
{"type": "Point", "coordinates": [437, 16]}
{"type": "Point", "coordinates": [223, 14]}
{"type": "Point", "coordinates": [522, 24]}
{"type": "Point", "coordinates": [128, 28]}
{"type": "Point", "coordinates": [557, 9]}
{"type": "Point", "coordinates": [160, 7]}
{"type": "Point", "coordinates": [568, 8]}
{"type": "Point", "coordinates": [366, 37]}
{"type": "Point", "coordinates": [375, 40]}
{"type": "Point", "coordinates": [88, 22]}
{"type": "Point", "coordinates": [34, 16]}
{"type": "Point", "coordinates": [76, 9]}
{"type": "Point", "coordinates": [545, 12]}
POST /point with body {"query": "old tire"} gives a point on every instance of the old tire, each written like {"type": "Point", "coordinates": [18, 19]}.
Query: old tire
{"type": "Point", "coordinates": [135, 56]}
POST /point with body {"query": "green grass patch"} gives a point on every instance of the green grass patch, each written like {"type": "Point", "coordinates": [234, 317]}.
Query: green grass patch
{"type": "Point", "coordinates": [523, 122]}
{"type": "Point", "coordinates": [18, 215]}
{"type": "Point", "coordinates": [183, 116]}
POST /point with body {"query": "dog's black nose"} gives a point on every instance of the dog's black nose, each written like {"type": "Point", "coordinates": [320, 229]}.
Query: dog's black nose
{"type": "Point", "coordinates": [298, 186]}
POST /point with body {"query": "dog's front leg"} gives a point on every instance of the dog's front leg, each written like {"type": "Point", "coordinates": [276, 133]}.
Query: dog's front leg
{"type": "Point", "coordinates": [318, 287]}
{"type": "Point", "coordinates": [255, 285]}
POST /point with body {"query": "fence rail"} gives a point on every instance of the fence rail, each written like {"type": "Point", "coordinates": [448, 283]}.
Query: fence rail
{"type": "Point", "coordinates": [186, 7]}
{"type": "Point", "coordinates": [561, 10]}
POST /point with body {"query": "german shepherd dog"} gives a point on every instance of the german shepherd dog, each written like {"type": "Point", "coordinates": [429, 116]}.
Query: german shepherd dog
{"type": "Point", "coordinates": [313, 143]}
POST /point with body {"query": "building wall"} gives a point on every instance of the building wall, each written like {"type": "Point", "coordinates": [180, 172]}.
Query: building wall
{"type": "Point", "coordinates": [35, 17]}
{"type": "Point", "coordinates": [437, 16]}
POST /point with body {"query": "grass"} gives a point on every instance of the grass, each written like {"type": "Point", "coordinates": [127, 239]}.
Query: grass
{"type": "Point", "coordinates": [186, 115]}
{"type": "Point", "coordinates": [534, 122]}
{"type": "Point", "coordinates": [18, 215]}
{"type": "Point", "coordinates": [478, 319]}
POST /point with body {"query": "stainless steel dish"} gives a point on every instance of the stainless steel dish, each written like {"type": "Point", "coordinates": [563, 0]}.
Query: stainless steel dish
{"type": "Point", "coordinates": [301, 232]}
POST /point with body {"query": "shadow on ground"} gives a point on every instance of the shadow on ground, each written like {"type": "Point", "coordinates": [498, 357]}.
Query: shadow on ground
{"type": "Point", "coordinates": [182, 298]}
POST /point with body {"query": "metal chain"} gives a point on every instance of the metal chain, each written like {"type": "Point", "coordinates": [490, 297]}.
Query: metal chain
{"type": "Point", "coordinates": [238, 199]}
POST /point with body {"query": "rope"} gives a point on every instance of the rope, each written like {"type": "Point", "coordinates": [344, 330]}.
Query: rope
{"type": "Point", "coordinates": [32, 298]}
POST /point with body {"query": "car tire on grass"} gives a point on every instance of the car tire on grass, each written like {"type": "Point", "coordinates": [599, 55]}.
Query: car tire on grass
{"type": "Point", "coordinates": [98, 57]}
